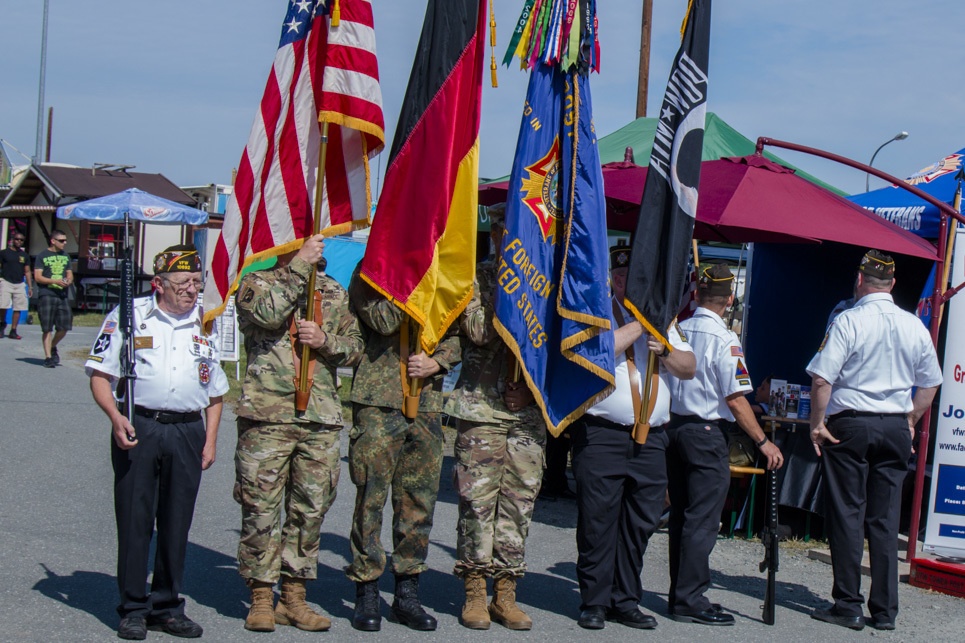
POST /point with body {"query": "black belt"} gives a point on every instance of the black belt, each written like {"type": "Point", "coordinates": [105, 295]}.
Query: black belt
{"type": "Point", "coordinates": [676, 418]}
{"type": "Point", "coordinates": [609, 424]}
{"type": "Point", "coordinates": [168, 417]}
{"type": "Point", "coordinates": [864, 414]}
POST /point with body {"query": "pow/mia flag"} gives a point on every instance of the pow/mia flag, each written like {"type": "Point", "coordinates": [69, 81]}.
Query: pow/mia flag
{"type": "Point", "coordinates": [661, 243]}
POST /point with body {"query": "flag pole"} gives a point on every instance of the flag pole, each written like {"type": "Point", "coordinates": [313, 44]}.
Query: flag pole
{"type": "Point", "coordinates": [641, 429]}
{"type": "Point", "coordinates": [305, 380]}
{"type": "Point", "coordinates": [410, 405]}
{"type": "Point", "coordinates": [950, 244]}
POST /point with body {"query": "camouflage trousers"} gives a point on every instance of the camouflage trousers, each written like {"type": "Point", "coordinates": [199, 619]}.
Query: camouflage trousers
{"type": "Point", "coordinates": [294, 464]}
{"type": "Point", "coordinates": [388, 450]}
{"type": "Point", "coordinates": [497, 473]}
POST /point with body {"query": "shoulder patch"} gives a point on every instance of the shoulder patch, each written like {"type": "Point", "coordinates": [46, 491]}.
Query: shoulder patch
{"type": "Point", "coordinates": [102, 344]}
{"type": "Point", "coordinates": [246, 294]}
{"type": "Point", "coordinates": [736, 351]}
{"type": "Point", "coordinates": [680, 330]}
{"type": "Point", "coordinates": [741, 372]}
{"type": "Point", "coordinates": [825, 340]}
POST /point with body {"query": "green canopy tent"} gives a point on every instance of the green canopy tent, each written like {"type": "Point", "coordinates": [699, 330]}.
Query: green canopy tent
{"type": "Point", "coordinates": [720, 140]}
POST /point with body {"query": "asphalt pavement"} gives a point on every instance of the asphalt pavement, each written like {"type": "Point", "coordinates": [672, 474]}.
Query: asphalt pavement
{"type": "Point", "coordinates": [57, 545]}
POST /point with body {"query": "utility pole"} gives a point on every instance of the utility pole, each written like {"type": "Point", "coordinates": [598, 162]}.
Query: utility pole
{"type": "Point", "coordinates": [40, 98]}
{"type": "Point", "coordinates": [643, 80]}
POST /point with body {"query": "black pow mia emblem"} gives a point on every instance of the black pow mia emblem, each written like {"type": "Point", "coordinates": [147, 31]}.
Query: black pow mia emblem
{"type": "Point", "coordinates": [102, 344]}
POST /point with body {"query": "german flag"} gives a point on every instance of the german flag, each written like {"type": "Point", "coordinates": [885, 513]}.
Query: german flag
{"type": "Point", "coordinates": [422, 244]}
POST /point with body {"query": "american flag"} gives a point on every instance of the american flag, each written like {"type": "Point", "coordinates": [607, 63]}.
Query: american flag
{"type": "Point", "coordinates": [325, 70]}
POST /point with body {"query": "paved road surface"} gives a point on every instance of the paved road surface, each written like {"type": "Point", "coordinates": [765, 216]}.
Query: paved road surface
{"type": "Point", "coordinates": [57, 545]}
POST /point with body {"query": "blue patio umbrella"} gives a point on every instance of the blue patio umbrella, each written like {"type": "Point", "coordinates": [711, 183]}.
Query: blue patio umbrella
{"type": "Point", "coordinates": [133, 204]}
{"type": "Point", "coordinates": [136, 205]}
{"type": "Point", "coordinates": [910, 212]}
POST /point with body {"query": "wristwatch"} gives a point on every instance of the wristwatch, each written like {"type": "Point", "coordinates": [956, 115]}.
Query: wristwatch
{"type": "Point", "coordinates": [761, 443]}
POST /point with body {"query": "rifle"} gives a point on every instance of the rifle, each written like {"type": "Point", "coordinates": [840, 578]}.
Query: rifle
{"type": "Point", "coordinates": [125, 386]}
{"type": "Point", "coordinates": [771, 548]}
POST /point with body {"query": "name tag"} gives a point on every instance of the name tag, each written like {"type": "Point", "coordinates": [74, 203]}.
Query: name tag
{"type": "Point", "coordinates": [144, 341]}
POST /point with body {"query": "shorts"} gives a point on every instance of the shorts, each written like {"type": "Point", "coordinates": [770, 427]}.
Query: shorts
{"type": "Point", "coordinates": [13, 294]}
{"type": "Point", "coordinates": [54, 311]}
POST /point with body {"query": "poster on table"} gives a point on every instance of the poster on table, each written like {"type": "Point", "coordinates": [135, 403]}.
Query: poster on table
{"type": "Point", "coordinates": [945, 534]}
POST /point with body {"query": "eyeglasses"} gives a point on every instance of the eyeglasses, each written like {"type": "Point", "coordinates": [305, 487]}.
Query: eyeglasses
{"type": "Point", "coordinates": [181, 286]}
{"type": "Point", "coordinates": [20, 239]}
{"type": "Point", "coordinates": [64, 240]}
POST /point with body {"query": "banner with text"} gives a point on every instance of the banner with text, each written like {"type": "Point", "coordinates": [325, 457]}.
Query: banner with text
{"type": "Point", "coordinates": [945, 534]}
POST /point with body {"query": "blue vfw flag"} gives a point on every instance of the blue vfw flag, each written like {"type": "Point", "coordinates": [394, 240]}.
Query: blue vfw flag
{"type": "Point", "coordinates": [553, 303]}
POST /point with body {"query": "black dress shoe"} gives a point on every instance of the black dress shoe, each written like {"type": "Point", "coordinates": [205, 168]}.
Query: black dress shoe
{"type": "Point", "coordinates": [179, 625]}
{"type": "Point", "coordinates": [882, 625]}
{"type": "Point", "coordinates": [709, 616]}
{"type": "Point", "coordinates": [132, 628]}
{"type": "Point", "coordinates": [831, 616]}
{"type": "Point", "coordinates": [592, 618]}
{"type": "Point", "coordinates": [632, 618]}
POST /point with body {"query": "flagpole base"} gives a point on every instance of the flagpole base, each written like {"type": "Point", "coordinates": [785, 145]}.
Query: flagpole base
{"type": "Point", "coordinates": [410, 407]}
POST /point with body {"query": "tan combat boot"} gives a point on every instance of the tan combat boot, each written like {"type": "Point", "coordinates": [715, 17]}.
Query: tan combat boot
{"type": "Point", "coordinates": [475, 616]}
{"type": "Point", "coordinates": [504, 609]}
{"type": "Point", "coordinates": [261, 616]}
{"type": "Point", "coordinates": [293, 610]}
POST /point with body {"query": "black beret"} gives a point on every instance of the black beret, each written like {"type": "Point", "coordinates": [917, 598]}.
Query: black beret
{"type": "Point", "coordinates": [177, 259]}
{"type": "Point", "coordinates": [619, 256]}
{"type": "Point", "coordinates": [877, 264]}
{"type": "Point", "coordinates": [715, 279]}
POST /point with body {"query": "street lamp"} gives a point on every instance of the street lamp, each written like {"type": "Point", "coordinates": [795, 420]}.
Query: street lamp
{"type": "Point", "coordinates": [900, 136]}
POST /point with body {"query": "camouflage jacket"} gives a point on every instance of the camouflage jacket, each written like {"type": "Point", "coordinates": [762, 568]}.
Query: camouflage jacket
{"type": "Point", "coordinates": [265, 302]}
{"type": "Point", "coordinates": [378, 379]}
{"type": "Point", "coordinates": [478, 396]}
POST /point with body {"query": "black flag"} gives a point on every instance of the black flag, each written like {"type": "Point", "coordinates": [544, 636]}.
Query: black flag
{"type": "Point", "coordinates": [661, 243]}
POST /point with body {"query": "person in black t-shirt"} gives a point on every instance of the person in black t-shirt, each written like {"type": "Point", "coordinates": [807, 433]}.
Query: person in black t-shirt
{"type": "Point", "coordinates": [14, 272]}
{"type": "Point", "coordinates": [53, 276]}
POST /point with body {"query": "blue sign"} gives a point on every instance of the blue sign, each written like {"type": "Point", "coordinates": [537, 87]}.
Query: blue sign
{"type": "Point", "coordinates": [906, 210]}
{"type": "Point", "coordinates": [950, 492]}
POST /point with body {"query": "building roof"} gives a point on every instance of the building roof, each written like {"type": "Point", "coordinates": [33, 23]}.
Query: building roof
{"type": "Point", "coordinates": [60, 185]}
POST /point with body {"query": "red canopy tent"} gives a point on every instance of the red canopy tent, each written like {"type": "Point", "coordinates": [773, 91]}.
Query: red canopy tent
{"type": "Point", "coordinates": [752, 199]}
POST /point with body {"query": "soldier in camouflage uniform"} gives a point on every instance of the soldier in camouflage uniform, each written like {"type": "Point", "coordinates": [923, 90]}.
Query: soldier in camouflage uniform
{"type": "Point", "coordinates": [499, 464]}
{"type": "Point", "coordinates": [281, 457]}
{"type": "Point", "coordinates": [387, 449]}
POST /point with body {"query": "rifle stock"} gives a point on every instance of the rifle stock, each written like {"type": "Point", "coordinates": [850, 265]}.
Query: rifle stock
{"type": "Point", "coordinates": [771, 542]}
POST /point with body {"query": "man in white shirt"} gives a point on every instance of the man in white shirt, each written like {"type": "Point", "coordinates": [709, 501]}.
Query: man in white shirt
{"type": "Point", "coordinates": [621, 485]}
{"type": "Point", "coordinates": [863, 419]}
{"type": "Point", "coordinates": [697, 451]}
{"type": "Point", "coordinates": [159, 458]}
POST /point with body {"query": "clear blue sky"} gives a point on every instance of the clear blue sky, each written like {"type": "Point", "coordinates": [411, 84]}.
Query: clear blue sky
{"type": "Point", "coordinates": [172, 86]}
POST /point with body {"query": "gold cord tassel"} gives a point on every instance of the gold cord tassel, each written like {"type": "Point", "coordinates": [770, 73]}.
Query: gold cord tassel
{"type": "Point", "coordinates": [336, 13]}
{"type": "Point", "coordinates": [492, 42]}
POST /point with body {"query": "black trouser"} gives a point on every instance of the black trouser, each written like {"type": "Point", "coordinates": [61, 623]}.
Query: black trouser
{"type": "Point", "coordinates": [698, 481]}
{"type": "Point", "coordinates": [620, 488]}
{"type": "Point", "coordinates": [863, 475]}
{"type": "Point", "coordinates": [158, 481]}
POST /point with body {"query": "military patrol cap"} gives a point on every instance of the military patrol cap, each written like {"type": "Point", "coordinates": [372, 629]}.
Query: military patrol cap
{"type": "Point", "coordinates": [177, 259]}
{"type": "Point", "coordinates": [877, 264]}
{"type": "Point", "coordinates": [715, 279]}
{"type": "Point", "coordinates": [619, 256]}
